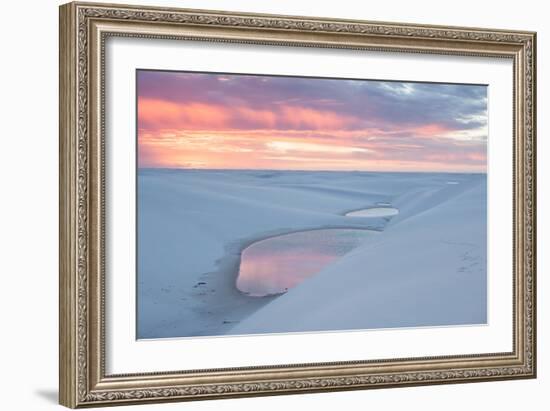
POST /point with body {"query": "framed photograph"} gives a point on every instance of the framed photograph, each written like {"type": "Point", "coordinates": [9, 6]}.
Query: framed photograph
{"type": "Point", "coordinates": [259, 204]}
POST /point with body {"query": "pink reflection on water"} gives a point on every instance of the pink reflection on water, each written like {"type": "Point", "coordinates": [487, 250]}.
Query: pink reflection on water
{"type": "Point", "coordinates": [274, 265]}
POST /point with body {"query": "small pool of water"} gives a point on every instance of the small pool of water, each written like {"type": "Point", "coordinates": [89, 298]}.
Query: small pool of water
{"type": "Point", "coordinates": [276, 264]}
{"type": "Point", "coordinates": [374, 212]}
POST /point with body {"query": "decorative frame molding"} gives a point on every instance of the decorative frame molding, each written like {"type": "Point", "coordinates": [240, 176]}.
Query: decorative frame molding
{"type": "Point", "coordinates": [83, 30]}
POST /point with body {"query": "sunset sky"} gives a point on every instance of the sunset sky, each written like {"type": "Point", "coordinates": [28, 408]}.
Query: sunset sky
{"type": "Point", "coordinates": [226, 121]}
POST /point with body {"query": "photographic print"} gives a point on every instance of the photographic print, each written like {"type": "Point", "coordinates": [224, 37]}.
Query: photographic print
{"type": "Point", "coordinates": [257, 204]}
{"type": "Point", "coordinates": [278, 204]}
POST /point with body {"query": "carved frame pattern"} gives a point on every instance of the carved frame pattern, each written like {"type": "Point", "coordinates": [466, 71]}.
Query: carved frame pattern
{"type": "Point", "coordinates": [82, 378]}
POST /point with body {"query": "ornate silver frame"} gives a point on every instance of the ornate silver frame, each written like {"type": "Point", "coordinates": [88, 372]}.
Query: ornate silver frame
{"type": "Point", "coordinates": [84, 27]}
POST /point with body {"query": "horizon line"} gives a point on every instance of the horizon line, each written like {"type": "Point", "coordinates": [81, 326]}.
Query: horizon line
{"type": "Point", "coordinates": [312, 170]}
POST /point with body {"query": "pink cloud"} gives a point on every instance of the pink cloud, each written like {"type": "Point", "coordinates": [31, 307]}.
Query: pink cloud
{"type": "Point", "coordinates": [302, 117]}
{"type": "Point", "coordinates": [154, 114]}
{"type": "Point", "coordinates": [207, 135]}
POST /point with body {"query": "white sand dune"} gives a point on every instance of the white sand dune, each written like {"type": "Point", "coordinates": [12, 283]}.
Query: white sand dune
{"type": "Point", "coordinates": [426, 268]}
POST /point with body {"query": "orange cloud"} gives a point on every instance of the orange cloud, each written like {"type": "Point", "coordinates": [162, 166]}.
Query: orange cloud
{"type": "Point", "coordinates": [302, 149]}
{"type": "Point", "coordinates": [200, 135]}
{"type": "Point", "coordinates": [155, 114]}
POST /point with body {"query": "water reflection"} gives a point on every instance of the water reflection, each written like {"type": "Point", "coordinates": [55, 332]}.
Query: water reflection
{"type": "Point", "coordinates": [374, 212]}
{"type": "Point", "coordinates": [274, 265]}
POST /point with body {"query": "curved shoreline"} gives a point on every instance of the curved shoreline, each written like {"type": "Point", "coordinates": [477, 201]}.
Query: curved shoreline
{"type": "Point", "coordinates": [377, 212]}
{"type": "Point", "coordinates": [238, 305]}
{"type": "Point", "coordinates": [286, 260]}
